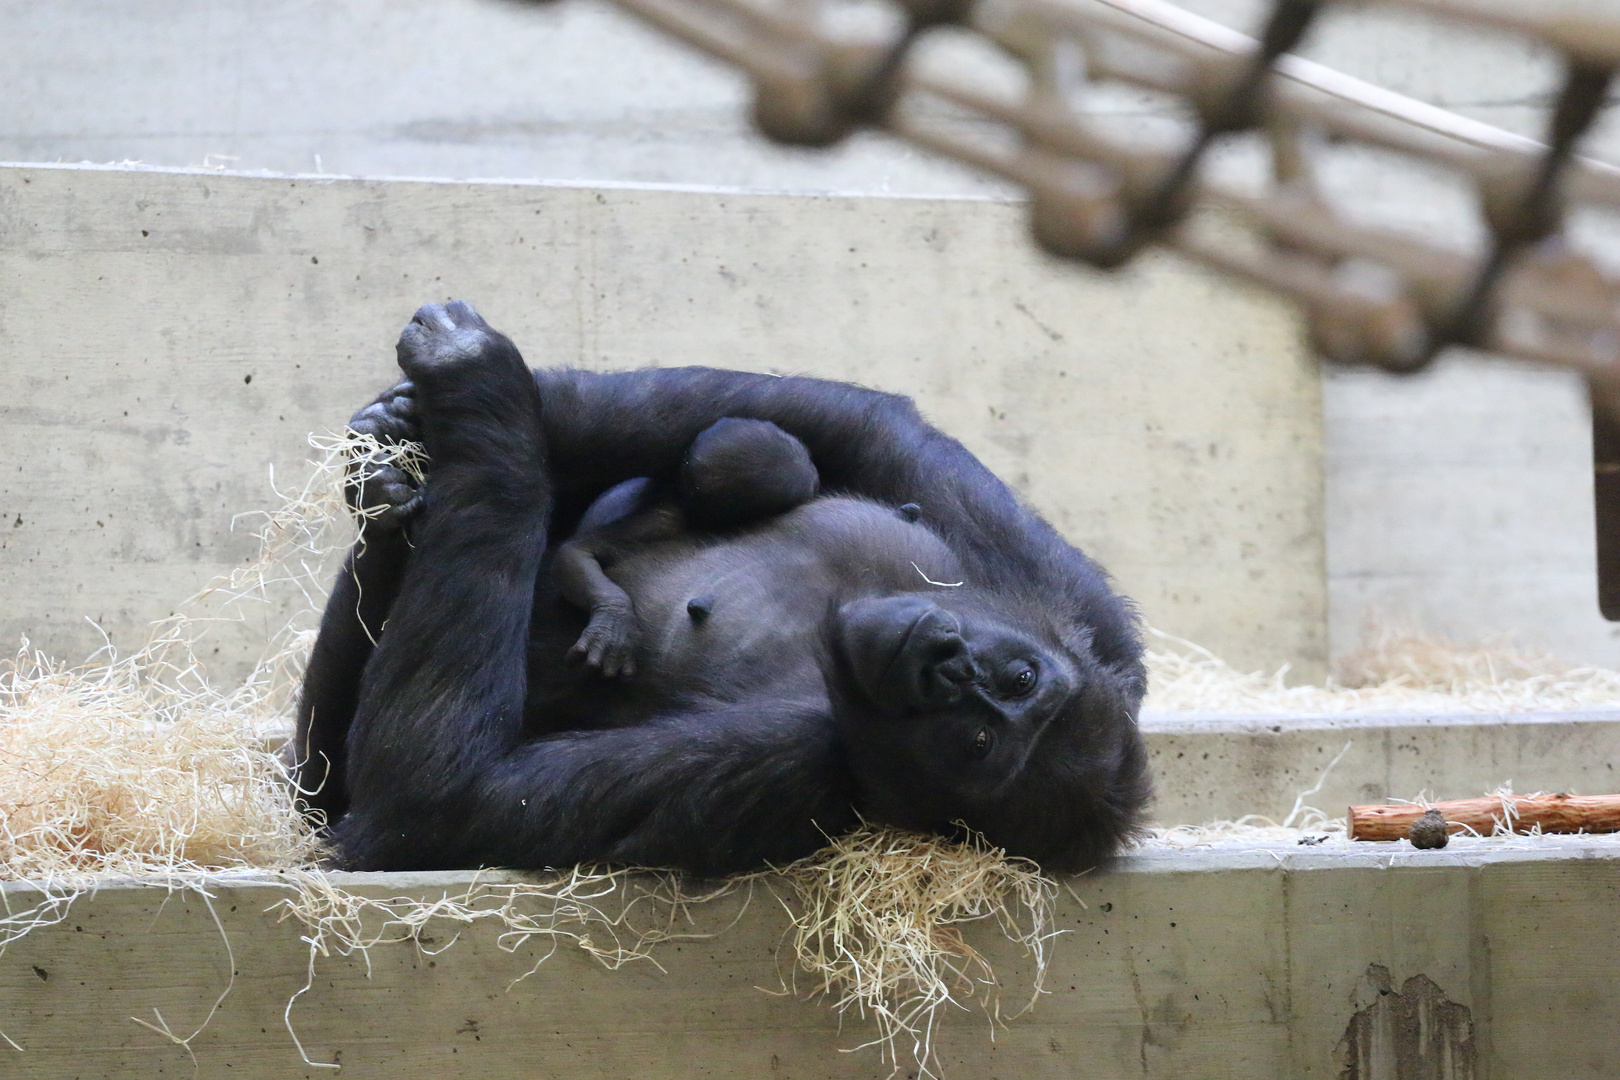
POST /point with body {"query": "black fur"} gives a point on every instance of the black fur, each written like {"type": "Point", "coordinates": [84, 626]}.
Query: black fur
{"type": "Point", "coordinates": [790, 664]}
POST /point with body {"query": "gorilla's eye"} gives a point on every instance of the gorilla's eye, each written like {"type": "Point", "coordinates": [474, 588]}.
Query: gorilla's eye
{"type": "Point", "coordinates": [981, 743]}
{"type": "Point", "coordinates": [1021, 679]}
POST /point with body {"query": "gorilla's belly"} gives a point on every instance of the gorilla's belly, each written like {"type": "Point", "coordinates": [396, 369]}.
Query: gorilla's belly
{"type": "Point", "coordinates": [719, 616]}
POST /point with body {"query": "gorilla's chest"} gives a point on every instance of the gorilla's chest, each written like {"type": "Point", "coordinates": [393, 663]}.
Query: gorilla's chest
{"type": "Point", "coordinates": [719, 616]}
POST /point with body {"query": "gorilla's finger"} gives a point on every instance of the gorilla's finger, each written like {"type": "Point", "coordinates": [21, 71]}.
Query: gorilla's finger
{"type": "Point", "coordinates": [403, 403]}
{"type": "Point", "coordinates": [397, 516]}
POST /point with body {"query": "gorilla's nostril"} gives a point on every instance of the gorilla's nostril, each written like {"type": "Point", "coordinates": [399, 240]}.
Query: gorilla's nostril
{"type": "Point", "coordinates": [957, 669]}
{"type": "Point", "coordinates": [951, 651]}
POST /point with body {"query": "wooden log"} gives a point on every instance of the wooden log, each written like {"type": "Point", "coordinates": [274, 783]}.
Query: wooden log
{"type": "Point", "coordinates": [1554, 813]}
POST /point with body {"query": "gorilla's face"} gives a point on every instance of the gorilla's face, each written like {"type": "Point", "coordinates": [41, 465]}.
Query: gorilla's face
{"type": "Point", "coordinates": [953, 691]}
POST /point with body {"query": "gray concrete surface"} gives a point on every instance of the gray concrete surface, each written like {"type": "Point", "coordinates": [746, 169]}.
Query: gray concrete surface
{"type": "Point", "coordinates": [444, 88]}
{"type": "Point", "coordinates": [1221, 768]}
{"type": "Point", "coordinates": [1461, 500]}
{"type": "Point", "coordinates": [167, 337]}
{"type": "Point", "coordinates": [567, 91]}
{"type": "Point", "coordinates": [1488, 959]}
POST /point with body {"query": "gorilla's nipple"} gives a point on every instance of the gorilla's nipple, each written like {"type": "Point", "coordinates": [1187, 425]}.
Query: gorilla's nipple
{"type": "Point", "coordinates": [910, 512]}
{"type": "Point", "coordinates": [698, 609]}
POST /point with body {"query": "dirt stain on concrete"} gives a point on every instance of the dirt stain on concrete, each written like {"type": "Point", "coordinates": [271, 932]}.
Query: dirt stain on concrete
{"type": "Point", "coordinates": [1416, 1034]}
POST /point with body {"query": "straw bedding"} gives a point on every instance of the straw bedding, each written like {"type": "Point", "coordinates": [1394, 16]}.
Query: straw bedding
{"type": "Point", "coordinates": [1397, 669]}
{"type": "Point", "coordinates": [138, 767]}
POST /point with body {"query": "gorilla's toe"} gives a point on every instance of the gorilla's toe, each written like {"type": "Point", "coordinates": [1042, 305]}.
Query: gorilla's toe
{"type": "Point", "coordinates": [391, 418]}
{"type": "Point", "coordinates": [385, 497]}
{"type": "Point", "coordinates": [608, 644]}
{"type": "Point", "coordinates": [456, 315]}
{"type": "Point", "coordinates": [375, 487]}
{"type": "Point", "coordinates": [441, 336]}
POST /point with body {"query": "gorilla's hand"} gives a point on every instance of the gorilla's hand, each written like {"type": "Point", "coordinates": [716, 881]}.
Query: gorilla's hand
{"type": "Point", "coordinates": [608, 644]}
{"type": "Point", "coordinates": [384, 494]}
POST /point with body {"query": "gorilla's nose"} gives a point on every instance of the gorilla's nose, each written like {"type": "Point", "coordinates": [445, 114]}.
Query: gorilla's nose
{"type": "Point", "coordinates": [941, 665]}
{"type": "Point", "coordinates": [906, 652]}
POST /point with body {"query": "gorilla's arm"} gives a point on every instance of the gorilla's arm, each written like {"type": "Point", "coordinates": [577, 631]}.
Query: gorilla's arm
{"type": "Point", "coordinates": [604, 428]}
{"type": "Point", "coordinates": [714, 791]}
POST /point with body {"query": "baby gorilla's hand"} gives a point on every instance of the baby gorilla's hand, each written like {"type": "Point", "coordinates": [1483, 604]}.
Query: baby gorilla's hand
{"type": "Point", "coordinates": [608, 645]}
{"type": "Point", "coordinates": [384, 494]}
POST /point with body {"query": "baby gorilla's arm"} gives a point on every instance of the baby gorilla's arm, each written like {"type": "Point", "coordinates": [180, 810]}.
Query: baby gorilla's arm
{"type": "Point", "coordinates": [608, 644]}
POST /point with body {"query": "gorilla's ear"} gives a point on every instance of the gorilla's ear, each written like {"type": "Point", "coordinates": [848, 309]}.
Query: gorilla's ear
{"type": "Point", "coordinates": [1076, 637]}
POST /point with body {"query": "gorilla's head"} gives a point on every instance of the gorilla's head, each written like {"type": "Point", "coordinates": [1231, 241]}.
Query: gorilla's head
{"type": "Point", "coordinates": [943, 701]}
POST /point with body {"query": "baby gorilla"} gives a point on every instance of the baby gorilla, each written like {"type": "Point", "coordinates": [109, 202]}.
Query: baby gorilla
{"type": "Point", "coordinates": [738, 472]}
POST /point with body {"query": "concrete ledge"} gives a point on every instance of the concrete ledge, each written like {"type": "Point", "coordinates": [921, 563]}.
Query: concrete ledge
{"type": "Point", "coordinates": [1208, 768]}
{"type": "Point", "coordinates": [1222, 962]}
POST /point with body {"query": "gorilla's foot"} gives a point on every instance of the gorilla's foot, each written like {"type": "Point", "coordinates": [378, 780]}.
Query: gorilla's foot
{"type": "Point", "coordinates": [386, 495]}
{"type": "Point", "coordinates": [475, 398]}
{"type": "Point", "coordinates": [443, 336]}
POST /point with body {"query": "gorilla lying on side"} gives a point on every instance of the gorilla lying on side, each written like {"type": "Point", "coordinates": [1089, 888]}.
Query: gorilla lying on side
{"type": "Point", "coordinates": [702, 619]}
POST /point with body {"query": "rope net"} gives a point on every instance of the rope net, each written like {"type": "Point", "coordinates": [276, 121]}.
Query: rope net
{"type": "Point", "coordinates": [1373, 294]}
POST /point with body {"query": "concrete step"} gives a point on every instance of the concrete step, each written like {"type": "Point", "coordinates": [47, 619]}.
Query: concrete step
{"type": "Point", "coordinates": [1233, 960]}
{"type": "Point", "coordinates": [1211, 767]}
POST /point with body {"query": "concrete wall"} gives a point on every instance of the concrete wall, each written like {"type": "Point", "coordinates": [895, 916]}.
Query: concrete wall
{"type": "Point", "coordinates": [1378, 963]}
{"type": "Point", "coordinates": [166, 337]}
{"type": "Point", "coordinates": [1461, 499]}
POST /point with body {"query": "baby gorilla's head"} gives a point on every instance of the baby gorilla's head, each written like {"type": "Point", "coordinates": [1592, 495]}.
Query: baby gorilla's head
{"type": "Point", "coordinates": [740, 471]}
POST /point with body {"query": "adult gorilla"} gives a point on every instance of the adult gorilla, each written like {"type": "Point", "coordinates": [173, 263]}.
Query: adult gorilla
{"type": "Point", "coordinates": [910, 646]}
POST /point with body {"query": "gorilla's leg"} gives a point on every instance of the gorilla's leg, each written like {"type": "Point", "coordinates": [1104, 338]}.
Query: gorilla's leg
{"type": "Point", "coordinates": [350, 626]}
{"type": "Point", "coordinates": [442, 695]}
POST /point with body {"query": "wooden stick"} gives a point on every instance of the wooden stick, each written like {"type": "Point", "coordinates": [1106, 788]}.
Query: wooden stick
{"type": "Point", "coordinates": [1554, 813]}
